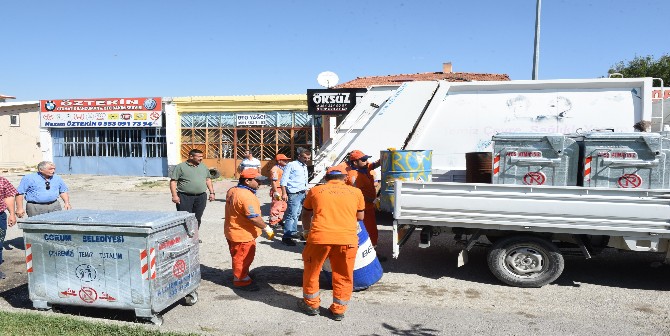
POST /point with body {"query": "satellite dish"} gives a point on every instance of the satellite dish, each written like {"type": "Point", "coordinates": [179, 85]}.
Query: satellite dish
{"type": "Point", "coordinates": [327, 79]}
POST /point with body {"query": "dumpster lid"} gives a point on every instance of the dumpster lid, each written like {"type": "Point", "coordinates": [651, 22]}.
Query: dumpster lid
{"type": "Point", "coordinates": [557, 141]}
{"type": "Point", "coordinates": [524, 136]}
{"type": "Point", "coordinates": [652, 140]}
{"type": "Point", "coordinates": [117, 218]}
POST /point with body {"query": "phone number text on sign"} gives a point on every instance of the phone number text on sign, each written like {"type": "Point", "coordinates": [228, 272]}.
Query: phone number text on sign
{"type": "Point", "coordinates": [251, 119]}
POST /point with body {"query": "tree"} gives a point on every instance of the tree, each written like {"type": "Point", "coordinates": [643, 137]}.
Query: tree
{"type": "Point", "coordinates": [645, 67]}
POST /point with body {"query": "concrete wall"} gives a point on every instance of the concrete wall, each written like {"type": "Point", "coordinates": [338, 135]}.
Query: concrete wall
{"type": "Point", "coordinates": [20, 145]}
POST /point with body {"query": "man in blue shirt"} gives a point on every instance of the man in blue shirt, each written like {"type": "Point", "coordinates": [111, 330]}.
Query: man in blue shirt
{"type": "Point", "coordinates": [294, 186]}
{"type": "Point", "coordinates": [41, 191]}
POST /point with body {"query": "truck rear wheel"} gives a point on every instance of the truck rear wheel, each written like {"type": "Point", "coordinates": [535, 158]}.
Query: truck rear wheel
{"type": "Point", "coordinates": [525, 261]}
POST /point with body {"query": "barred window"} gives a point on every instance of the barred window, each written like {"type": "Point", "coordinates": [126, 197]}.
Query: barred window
{"type": "Point", "coordinates": [219, 137]}
{"type": "Point", "coordinates": [113, 142]}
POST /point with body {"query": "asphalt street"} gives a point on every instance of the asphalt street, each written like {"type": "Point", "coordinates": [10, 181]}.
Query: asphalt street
{"type": "Point", "coordinates": [421, 293]}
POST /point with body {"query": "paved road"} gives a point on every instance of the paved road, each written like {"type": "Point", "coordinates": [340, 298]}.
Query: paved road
{"type": "Point", "coordinates": [421, 293]}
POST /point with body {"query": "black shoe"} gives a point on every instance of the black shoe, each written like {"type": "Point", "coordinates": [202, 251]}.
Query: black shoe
{"type": "Point", "coordinates": [253, 287]}
{"type": "Point", "coordinates": [302, 305]}
{"type": "Point", "coordinates": [337, 317]}
{"type": "Point", "coordinates": [382, 258]}
{"type": "Point", "coordinates": [288, 241]}
{"type": "Point", "coordinates": [293, 235]}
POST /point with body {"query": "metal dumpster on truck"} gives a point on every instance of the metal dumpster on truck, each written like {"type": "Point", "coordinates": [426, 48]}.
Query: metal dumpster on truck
{"type": "Point", "coordinates": [136, 260]}
{"type": "Point", "coordinates": [536, 159]}
{"type": "Point", "coordinates": [626, 160]}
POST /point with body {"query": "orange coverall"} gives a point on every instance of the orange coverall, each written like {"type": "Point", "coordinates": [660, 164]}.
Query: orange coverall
{"type": "Point", "coordinates": [334, 209]}
{"type": "Point", "coordinates": [365, 181]}
{"type": "Point", "coordinates": [277, 206]}
{"type": "Point", "coordinates": [241, 233]}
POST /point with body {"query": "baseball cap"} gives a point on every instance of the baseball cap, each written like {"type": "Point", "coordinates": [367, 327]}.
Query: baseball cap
{"type": "Point", "coordinates": [252, 174]}
{"type": "Point", "coordinates": [334, 170]}
{"type": "Point", "coordinates": [358, 155]}
{"type": "Point", "coordinates": [282, 157]}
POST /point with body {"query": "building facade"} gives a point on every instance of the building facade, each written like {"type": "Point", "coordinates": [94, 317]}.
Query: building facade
{"type": "Point", "coordinates": [21, 142]}
{"type": "Point", "coordinates": [225, 127]}
{"type": "Point", "coordinates": [106, 136]}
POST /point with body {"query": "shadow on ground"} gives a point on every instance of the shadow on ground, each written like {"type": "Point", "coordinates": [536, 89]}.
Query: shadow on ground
{"type": "Point", "coordinates": [269, 279]}
{"type": "Point", "coordinates": [612, 268]}
{"type": "Point", "coordinates": [18, 297]}
{"type": "Point", "coordinates": [416, 330]}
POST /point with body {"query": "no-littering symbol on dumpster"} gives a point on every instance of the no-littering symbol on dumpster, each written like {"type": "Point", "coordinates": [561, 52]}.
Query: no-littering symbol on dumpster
{"type": "Point", "coordinates": [179, 268]}
{"type": "Point", "coordinates": [88, 294]}
{"type": "Point", "coordinates": [630, 181]}
{"type": "Point", "coordinates": [534, 178]}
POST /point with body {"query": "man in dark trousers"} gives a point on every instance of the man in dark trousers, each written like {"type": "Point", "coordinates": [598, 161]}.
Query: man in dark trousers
{"type": "Point", "coordinates": [7, 194]}
{"type": "Point", "coordinates": [189, 183]}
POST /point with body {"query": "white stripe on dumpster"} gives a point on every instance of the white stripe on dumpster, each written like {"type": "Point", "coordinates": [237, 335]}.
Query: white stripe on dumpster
{"type": "Point", "coordinates": [587, 169]}
{"type": "Point", "coordinates": [148, 261]}
{"type": "Point", "coordinates": [153, 263]}
{"type": "Point", "coordinates": [29, 258]}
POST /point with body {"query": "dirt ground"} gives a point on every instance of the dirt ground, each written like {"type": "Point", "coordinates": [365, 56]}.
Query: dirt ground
{"type": "Point", "coordinates": [422, 292]}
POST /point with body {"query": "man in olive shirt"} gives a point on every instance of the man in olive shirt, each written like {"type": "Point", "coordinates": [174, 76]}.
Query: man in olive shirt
{"type": "Point", "coordinates": [189, 183]}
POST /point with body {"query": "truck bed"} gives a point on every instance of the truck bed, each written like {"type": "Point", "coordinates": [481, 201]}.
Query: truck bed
{"type": "Point", "coordinates": [571, 210]}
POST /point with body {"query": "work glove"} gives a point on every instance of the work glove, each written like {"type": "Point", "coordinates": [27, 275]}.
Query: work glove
{"type": "Point", "coordinates": [269, 232]}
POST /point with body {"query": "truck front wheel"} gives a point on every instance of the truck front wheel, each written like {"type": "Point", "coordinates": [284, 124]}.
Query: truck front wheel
{"type": "Point", "coordinates": [525, 261]}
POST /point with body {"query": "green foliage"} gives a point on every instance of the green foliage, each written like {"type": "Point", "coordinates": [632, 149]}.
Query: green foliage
{"type": "Point", "coordinates": [645, 66]}
{"type": "Point", "coordinates": [27, 324]}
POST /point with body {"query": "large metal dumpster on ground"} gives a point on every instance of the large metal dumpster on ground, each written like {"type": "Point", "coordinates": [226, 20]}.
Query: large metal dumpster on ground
{"type": "Point", "coordinates": [136, 260]}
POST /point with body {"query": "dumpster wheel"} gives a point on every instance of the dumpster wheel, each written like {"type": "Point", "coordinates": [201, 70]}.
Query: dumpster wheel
{"type": "Point", "coordinates": [191, 298]}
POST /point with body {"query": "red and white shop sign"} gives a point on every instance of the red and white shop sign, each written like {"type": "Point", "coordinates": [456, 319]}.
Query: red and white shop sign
{"type": "Point", "coordinates": [101, 112]}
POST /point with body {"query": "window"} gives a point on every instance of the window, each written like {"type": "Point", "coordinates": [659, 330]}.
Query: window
{"type": "Point", "coordinates": [218, 136]}
{"type": "Point", "coordinates": [14, 120]}
{"type": "Point", "coordinates": [147, 142]}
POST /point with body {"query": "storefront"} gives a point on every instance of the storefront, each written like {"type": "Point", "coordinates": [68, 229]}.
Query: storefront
{"type": "Point", "coordinates": [106, 136]}
{"type": "Point", "coordinates": [224, 127]}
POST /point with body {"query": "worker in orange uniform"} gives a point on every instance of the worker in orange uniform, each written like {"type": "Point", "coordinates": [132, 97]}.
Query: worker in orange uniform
{"type": "Point", "coordinates": [360, 175]}
{"type": "Point", "coordinates": [330, 220]}
{"type": "Point", "coordinates": [243, 224]}
{"type": "Point", "coordinates": [278, 205]}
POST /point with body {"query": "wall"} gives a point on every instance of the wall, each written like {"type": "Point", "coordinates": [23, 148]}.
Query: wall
{"type": "Point", "coordinates": [20, 146]}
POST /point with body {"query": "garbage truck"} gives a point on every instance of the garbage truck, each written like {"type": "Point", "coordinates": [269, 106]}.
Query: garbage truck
{"type": "Point", "coordinates": [525, 223]}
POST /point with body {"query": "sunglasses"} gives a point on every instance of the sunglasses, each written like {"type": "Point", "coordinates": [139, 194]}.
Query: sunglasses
{"type": "Point", "coordinates": [48, 184]}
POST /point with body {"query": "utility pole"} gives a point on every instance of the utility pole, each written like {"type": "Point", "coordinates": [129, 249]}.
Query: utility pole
{"type": "Point", "coordinates": [536, 50]}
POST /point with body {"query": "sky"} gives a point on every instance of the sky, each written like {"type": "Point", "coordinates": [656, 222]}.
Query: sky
{"type": "Point", "coordinates": [53, 49]}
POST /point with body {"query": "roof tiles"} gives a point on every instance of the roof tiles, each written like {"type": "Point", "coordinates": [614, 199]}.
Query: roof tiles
{"type": "Point", "coordinates": [364, 82]}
